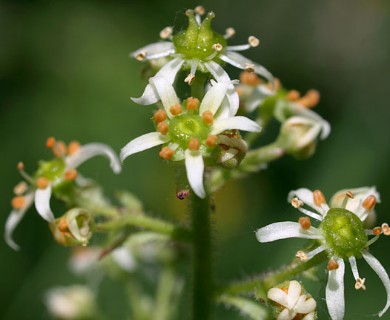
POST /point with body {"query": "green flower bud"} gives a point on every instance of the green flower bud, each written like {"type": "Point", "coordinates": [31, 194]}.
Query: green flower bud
{"type": "Point", "coordinates": [73, 228]}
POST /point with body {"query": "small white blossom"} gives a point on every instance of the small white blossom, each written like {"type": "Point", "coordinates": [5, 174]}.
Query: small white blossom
{"type": "Point", "coordinates": [341, 236]}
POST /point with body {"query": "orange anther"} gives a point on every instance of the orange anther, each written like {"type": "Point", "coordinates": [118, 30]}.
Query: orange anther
{"type": "Point", "coordinates": [208, 117]}
{"type": "Point", "coordinates": [42, 182]}
{"type": "Point", "coordinates": [71, 174]}
{"type": "Point", "coordinates": [20, 188]}
{"type": "Point", "coordinates": [176, 109]}
{"type": "Point", "coordinates": [193, 144]}
{"type": "Point", "coordinates": [192, 103]}
{"type": "Point", "coordinates": [276, 85]}
{"type": "Point", "coordinates": [59, 149]}
{"type": "Point", "coordinates": [386, 229]}
{"type": "Point", "coordinates": [305, 222]}
{"type": "Point", "coordinates": [369, 203]}
{"type": "Point", "coordinates": [296, 203]}
{"type": "Point", "coordinates": [20, 166]}
{"type": "Point", "coordinates": [18, 202]}
{"type": "Point", "coordinates": [211, 141]}
{"type": "Point", "coordinates": [293, 95]}
{"type": "Point", "coordinates": [160, 115]}
{"type": "Point", "coordinates": [333, 265]}
{"type": "Point", "coordinates": [376, 231]}
{"type": "Point", "coordinates": [73, 147]}
{"type": "Point", "coordinates": [314, 97]}
{"type": "Point", "coordinates": [350, 194]}
{"type": "Point", "coordinates": [50, 142]}
{"type": "Point", "coordinates": [62, 225]}
{"type": "Point", "coordinates": [318, 197]}
{"type": "Point", "coordinates": [166, 153]}
{"type": "Point", "coordinates": [249, 78]}
{"type": "Point", "coordinates": [163, 128]}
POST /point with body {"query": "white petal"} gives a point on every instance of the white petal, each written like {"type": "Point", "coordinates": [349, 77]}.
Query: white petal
{"type": "Point", "coordinates": [42, 203]}
{"type": "Point", "coordinates": [310, 316]}
{"type": "Point", "coordinates": [240, 123]}
{"type": "Point", "coordinates": [221, 76]}
{"type": "Point", "coordinates": [306, 306]}
{"type": "Point", "coordinates": [13, 220]}
{"type": "Point", "coordinates": [284, 230]}
{"type": "Point", "coordinates": [213, 98]}
{"type": "Point", "coordinates": [257, 96]}
{"type": "Point", "coordinates": [335, 292]}
{"type": "Point", "coordinates": [294, 292]}
{"type": "Point", "coordinates": [165, 92]}
{"type": "Point", "coordinates": [325, 126]}
{"type": "Point", "coordinates": [239, 61]}
{"type": "Point", "coordinates": [286, 314]}
{"type": "Point", "coordinates": [306, 196]}
{"type": "Point", "coordinates": [91, 150]}
{"type": "Point", "coordinates": [142, 143]}
{"type": "Point", "coordinates": [123, 257]}
{"type": "Point", "coordinates": [195, 167]}
{"type": "Point", "coordinates": [382, 274]}
{"type": "Point", "coordinates": [278, 295]}
{"type": "Point", "coordinates": [157, 49]}
{"type": "Point", "coordinates": [169, 72]}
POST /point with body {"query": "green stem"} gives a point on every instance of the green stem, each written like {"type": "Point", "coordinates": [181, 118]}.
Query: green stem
{"type": "Point", "coordinates": [202, 279]}
{"type": "Point", "coordinates": [263, 282]}
{"type": "Point", "coordinates": [148, 223]}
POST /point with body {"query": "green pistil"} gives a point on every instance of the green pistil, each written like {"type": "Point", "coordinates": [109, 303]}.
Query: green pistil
{"type": "Point", "coordinates": [52, 170]}
{"type": "Point", "coordinates": [197, 41]}
{"type": "Point", "coordinates": [344, 233]}
{"type": "Point", "coordinates": [186, 126]}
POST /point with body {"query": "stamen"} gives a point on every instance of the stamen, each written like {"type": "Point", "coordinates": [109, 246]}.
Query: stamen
{"type": "Point", "coordinates": [249, 67]}
{"type": "Point", "coordinates": [62, 225]}
{"type": "Point", "coordinates": [18, 202]}
{"type": "Point", "coordinates": [59, 149]}
{"type": "Point", "coordinates": [249, 78]}
{"type": "Point", "coordinates": [42, 182]}
{"type": "Point", "coordinates": [192, 103]}
{"type": "Point", "coordinates": [20, 166]}
{"type": "Point", "coordinates": [176, 109]}
{"type": "Point", "coordinates": [253, 41]}
{"type": "Point", "coordinates": [332, 265]}
{"type": "Point", "coordinates": [73, 147]}
{"type": "Point", "coordinates": [310, 214]}
{"type": "Point", "coordinates": [293, 95]}
{"type": "Point", "coordinates": [160, 115]}
{"type": "Point", "coordinates": [166, 33]}
{"type": "Point", "coordinates": [296, 203]}
{"type": "Point", "coordinates": [318, 198]}
{"type": "Point", "coordinates": [25, 175]}
{"type": "Point", "coordinates": [313, 97]}
{"type": "Point", "coordinates": [211, 141]}
{"type": "Point", "coordinates": [189, 79]}
{"type": "Point", "coordinates": [50, 142]}
{"type": "Point", "coordinates": [369, 203]}
{"type": "Point", "coordinates": [200, 10]}
{"type": "Point", "coordinates": [229, 32]}
{"type": "Point", "coordinates": [376, 231]}
{"type": "Point", "coordinates": [350, 194]}
{"type": "Point", "coordinates": [163, 128]}
{"type": "Point", "coordinates": [208, 117]}
{"type": "Point", "coordinates": [140, 56]}
{"type": "Point", "coordinates": [275, 86]}
{"type": "Point", "coordinates": [217, 47]}
{"type": "Point", "coordinates": [386, 229]}
{"type": "Point", "coordinates": [193, 144]}
{"type": "Point", "coordinates": [304, 222]}
{"type": "Point", "coordinates": [372, 240]}
{"type": "Point", "coordinates": [301, 256]}
{"type": "Point", "coordinates": [71, 174]}
{"type": "Point", "coordinates": [355, 271]}
{"type": "Point", "coordinates": [166, 153]}
{"type": "Point", "coordinates": [20, 188]}
{"type": "Point", "coordinates": [314, 252]}
{"type": "Point", "coordinates": [360, 284]}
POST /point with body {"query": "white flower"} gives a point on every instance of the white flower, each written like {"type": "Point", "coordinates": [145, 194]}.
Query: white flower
{"type": "Point", "coordinates": [52, 176]}
{"type": "Point", "coordinates": [341, 235]}
{"type": "Point", "coordinates": [196, 48]}
{"type": "Point", "coordinates": [190, 129]}
{"type": "Point", "coordinates": [69, 303]}
{"type": "Point", "coordinates": [293, 302]}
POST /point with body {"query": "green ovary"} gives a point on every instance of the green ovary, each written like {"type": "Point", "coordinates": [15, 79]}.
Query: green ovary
{"type": "Point", "coordinates": [344, 233]}
{"type": "Point", "coordinates": [197, 41]}
{"type": "Point", "coordinates": [184, 127]}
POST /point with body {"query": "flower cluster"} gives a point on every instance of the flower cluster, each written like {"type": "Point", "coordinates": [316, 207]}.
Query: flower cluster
{"type": "Point", "coordinates": [56, 176]}
{"type": "Point", "coordinates": [341, 235]}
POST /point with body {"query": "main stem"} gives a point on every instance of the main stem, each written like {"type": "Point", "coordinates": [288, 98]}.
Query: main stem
{"type": "Point", "coordinates": [202, 266]}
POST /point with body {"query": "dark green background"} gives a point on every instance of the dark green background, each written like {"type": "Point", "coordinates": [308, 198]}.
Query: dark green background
{"type": "Point", "coordinates": [65, 71]}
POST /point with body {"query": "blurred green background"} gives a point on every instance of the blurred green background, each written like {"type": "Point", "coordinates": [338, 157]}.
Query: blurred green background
{"type": "Point", "coordinates": [65, 72]}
